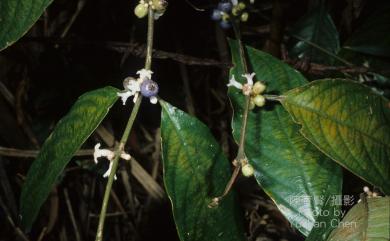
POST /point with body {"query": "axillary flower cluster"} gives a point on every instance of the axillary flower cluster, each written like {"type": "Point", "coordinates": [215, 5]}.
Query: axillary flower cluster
{"type": "Point", "coordinates": [143, 84]}
{"type": "Point", "coordinates": [249, 89]}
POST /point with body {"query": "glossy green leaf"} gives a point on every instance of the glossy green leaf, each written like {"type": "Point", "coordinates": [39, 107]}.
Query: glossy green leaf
{"type": "Point", "coordinates": [67, 137]}
{"type": "Point", "coordinates": [195, 171]}
{"type": "Point", "coordinates": [319, 32]}
{"type": "Point", "coordinates": [373, 36]}
{"type": "Point", "coordinates": [17, 17]}
{"type": "Point", "coordinates": [297, 176]}
{"type": "Point", "coordinates": [349, 123]}
{"type": "Point", "coordinates": [369, 220]}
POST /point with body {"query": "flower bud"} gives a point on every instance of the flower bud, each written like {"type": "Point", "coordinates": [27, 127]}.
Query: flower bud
{"type": "Point", "coordinates": [244, 17]}
{"type": "Point", "coordinates": [247, 170]}
{"type": "Point", "coordinates": [259, 100]}
{"type": "Point", "coordinates": [258, 88]}
{"type": "Point", "coordinates": [141, 10]}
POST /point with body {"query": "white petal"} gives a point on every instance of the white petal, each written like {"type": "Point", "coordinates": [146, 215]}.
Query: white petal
{"type": "Point", "coordinates": [145, 74]}
{"type": "Point", "coordinates": [102, 153]}
{"type": "Point", "coordinates": [233, 82]}
{"type": "Point", "coordinates": [134, 86]}
{"type": "Point", "coordinates": [96, 153]}
{"type": "Point", "coordinates": [108, 172]}
{"type": "Point", "coordinates": [249, 78]}
{"type": "Point", "coordinates": [125, 156]}
{"type": "Point", "coordinates": [125, 95]}
{"type": "Point", "coordinates": [234, 2]}
{"type": "Point", "coordinates": [153, 99]}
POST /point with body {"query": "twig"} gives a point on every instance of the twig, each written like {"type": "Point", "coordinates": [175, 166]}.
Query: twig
{"type": "Point", "coordinates": [18, 231]}
{"type": "Point", "coordinates": [137, 50]}
{"type": "Point", "coordinates": [42, 234]}
{"type": "Point", "coordinates": [79, 7]}
{"type": "Point", "coordinates": [71, 215]}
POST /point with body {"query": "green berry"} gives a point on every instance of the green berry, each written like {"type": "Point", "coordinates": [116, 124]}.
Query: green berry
{"type": "Point", "coordinates": [247, 170]}
{"type": "Point", "coordinates": [258, 88]}
{"type": "Point", "coordinates": [259, 100]}
{"type": "Point", "coordinates": [235, 11]}
{"type": "Point", "coordinates": [141, 10]}
{"type": "Point", "coordinates": [244, 17]}
{"type": "Point", "coordinates": [241, 6]}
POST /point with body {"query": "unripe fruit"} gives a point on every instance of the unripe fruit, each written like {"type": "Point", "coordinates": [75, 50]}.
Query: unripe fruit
{"type": "Point", "coordinates": [225, 6]}
{"type": "Point", "coordinates": [225, 17]}
{"type": "Point", "coordinates": [241, 6]}
{"type": "Point", "coordinates": [149, 88]}
{"type": "Point", "coordinates": [235, 11]}
{"type": "Point", "coordinates": [258, 88]}
{"type": "Point", "coordinates": [244, 17]}
{"type": "Point", "coordinates": [247, 170]}
{"type": "Point", "coordinates": [216, 15]}
{"type": "Point", "coordinates": [259, 100]}
{"type": "Point", "coordinates": [141, 10]}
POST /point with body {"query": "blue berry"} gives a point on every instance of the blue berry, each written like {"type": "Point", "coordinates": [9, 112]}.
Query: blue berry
{"type": "Point", "coordinates": [225, 24]}
{"type": "Point", "coordinates": [225, 6]}
{"type": "Point", "coordinates": [149, 88]}
{"type": "Point", "coordinates": [216, 15]}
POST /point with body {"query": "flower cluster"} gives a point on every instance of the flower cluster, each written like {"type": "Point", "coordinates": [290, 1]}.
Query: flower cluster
{"type": "Point", "coordinates": [227, 10]}
{"type": "Point", "coordinates": [143, 84]}
{"type": "Point", "coordinates": [109, 155]}
{"type": "Point", "coordinates": [159, 7]}
{"type": "Point", "coordinates": [249, 89]}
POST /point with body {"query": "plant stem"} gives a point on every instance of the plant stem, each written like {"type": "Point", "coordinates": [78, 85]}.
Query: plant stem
{"type": "Point", "coordinates": [240, 159]}
{"type": "Point", "coordinates": [241, 145]}
{"type": "Point", "coordinates": [126, 133]}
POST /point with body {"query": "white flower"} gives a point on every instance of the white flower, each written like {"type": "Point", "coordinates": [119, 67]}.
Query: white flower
{"type": "Point", "coordinates": [234, 2]}
{"type": "Point", "coordinates": [132, 89]}
{"type": "Point", "coordinates": [102, 153]}
{"type": "Point", "coordinates": [110, 156]}
{"type": "Point", "coordinates": [246, 88]}
{"type": "Point", "coordinates": [249, 78]}
{"type": "Point", "coordinates": [233, 82]}
{"type": "Point", "coordinates": [144, 74]}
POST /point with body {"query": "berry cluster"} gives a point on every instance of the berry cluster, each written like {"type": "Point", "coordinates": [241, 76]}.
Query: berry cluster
{"type": "Point", "coordinates": [227, 10]}
{"type": "Point", "coordinates": [256, 98]}
{"type": "Point", "coordinates": [159, 7]}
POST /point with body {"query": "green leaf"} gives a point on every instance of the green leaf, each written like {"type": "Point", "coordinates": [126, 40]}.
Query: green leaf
{"type": "Point", "coordinates": [68, 136]}
{"type": "Point", "coordinates": [17, 17]}
{"type": "Point", "coordinates": [349, 123]}
{"type": "Point", "coordinates": [297, 176]}
{"type": "Point", "coordinates": [373, 36]}
{"type": "Point", "coordinates": [195, 171]}
{"type": "Point", "coordinates": [315, 31]}
{"type": "Point", "coordinates": [368, 220]}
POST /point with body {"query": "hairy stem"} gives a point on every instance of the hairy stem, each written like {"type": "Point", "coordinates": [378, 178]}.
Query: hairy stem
{"type": "Point", "coordinates": [126, 133]}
